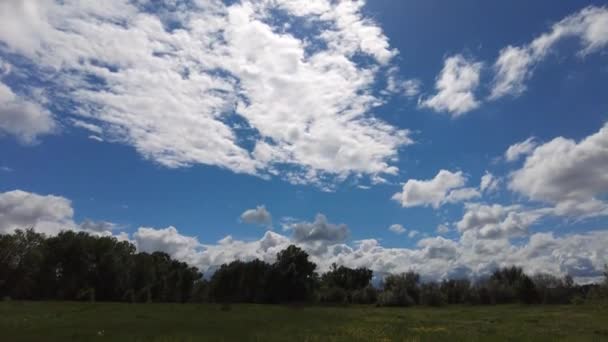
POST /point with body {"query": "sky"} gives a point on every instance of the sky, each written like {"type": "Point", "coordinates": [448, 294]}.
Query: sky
{"type": "Point", "coordinates": [448, 138]}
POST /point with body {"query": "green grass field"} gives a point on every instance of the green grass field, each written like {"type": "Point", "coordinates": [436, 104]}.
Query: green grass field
{"type": "Point", "coordinates": [60, 321]}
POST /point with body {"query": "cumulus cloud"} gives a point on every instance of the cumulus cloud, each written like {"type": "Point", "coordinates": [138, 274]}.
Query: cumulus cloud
{"type": "Point", "coordinates": [570, 174]}
{"type": "Point", "coordinates": [397, 229]}
{"type": "Point", "coordinates": [259, 215]}
{"type": "Point", "coordinates": [47, 214]}
{"type": "Point", "coordinates": [445, 187]}
{"type": "Point", "coordinates": [167, 240]}
{"type": "Point", "coordinates": [522, 148]}
{"type": "Point", "coordinates": [582, 255]}
{"type": "Point", "coordinates": [515, 64]}
{"type": "Point", "coordinates": [455, 87]}
{"type": "Point", "coordinates": [497, 221]}
{"type": "Point", "coordinates": [22, 118]}
{"type": "Point", "coordinates": [319, 231]}
{"type": "Point", "coordinates": [201, 91]}
{"type": "Point", "coordinates": [474, 254]}
{"type": "Point", "coordinates": [439, 248]}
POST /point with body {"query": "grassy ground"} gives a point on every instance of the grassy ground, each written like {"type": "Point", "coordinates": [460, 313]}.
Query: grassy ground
{"type": "Point", "coordinates": [57, 321]}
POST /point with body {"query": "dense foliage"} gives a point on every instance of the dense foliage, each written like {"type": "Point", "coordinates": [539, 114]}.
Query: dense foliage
{"type": "Point", "coordinates": [79, 266]}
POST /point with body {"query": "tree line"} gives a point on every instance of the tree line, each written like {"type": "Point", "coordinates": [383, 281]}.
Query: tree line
{"type": "Point", "coordinates": [80, 266]}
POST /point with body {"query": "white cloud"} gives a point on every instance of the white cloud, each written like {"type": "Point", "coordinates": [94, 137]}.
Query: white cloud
{"type": "Point", "coordinates": [455, 87]}
{"type": "Point", "coordinates": [397, 229]}
{"type": "Point", "coordinates": [412, 234]}
{"type": "Point", "coordinates": [96, 138]}
{"type": "Point", "coordinates": [259, 215]}
{"type": "Point", "coordinates": [439, 248]}
{"type": "Point", "coordinates": [522, 148]}
{"type": "Point", "coordinates": [489, 183]}
{"type": "Point", "coordinates": [22, 118]}
{"type": "Point", "coordinates": [445, 187]}
{"type": "Point", "coordinates": [515, 64]}
{"type": "Point", "coordinates": [193, 95]}
{"type": "Point", "coordinates": [167, 240]}
{"type": "Point", "coordinates": [87, 125]}
{"type": "Point", "coordinates": [497, 221]}
{"type": "Point", "coordinates": [572, 175]}
{"type": "Point", "coordinates": [46, 214]}
{"type": "Point", "coordinates": [582, 255]}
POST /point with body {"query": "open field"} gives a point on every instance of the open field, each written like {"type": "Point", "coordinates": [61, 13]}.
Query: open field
{"type": "Point", "coordinates": [61, 321]}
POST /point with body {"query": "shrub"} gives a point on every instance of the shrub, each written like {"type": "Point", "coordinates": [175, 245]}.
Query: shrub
{"type": "Point", "coordinates": [366, 295]}
{"type": "Point", "coordinates": [333, 295]}
{"type": "Point", "coordinates": [431, 295]}
{"type": "Point", "coordinates": [395, 298]}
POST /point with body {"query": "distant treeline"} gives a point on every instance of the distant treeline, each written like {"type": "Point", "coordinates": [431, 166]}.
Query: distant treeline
{"type": "Point", "coordinates": [79, 266]}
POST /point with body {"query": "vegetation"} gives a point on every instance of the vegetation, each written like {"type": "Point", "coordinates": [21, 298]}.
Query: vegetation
{"type": "Point", "coordinates": [79, 266]}
{"type": "Point", "coordinates": [71, 321]}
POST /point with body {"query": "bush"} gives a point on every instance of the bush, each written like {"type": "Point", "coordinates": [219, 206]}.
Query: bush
{"type": "Point", "coordinates": [366, 295]}
{"type": "Point", "coordinates": [431, 295]}
{"type": "Point", "coordinates": [395, 298]}
{"type": "Point", "coordinates": [333, 295]}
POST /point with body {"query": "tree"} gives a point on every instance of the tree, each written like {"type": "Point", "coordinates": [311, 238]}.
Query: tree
{"type": "Point", "coordinates": [293, 275]}
{"type": "Point", "coordinates": [401, 290]}
{"type": "Point", "coordinates": [456, 291]}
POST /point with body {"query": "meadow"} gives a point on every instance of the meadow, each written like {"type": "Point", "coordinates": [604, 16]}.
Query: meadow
{"type": "Point", "coordinates": [77, 321]}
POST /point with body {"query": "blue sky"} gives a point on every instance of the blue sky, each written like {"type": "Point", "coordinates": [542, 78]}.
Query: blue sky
{"type": "Point", "coordinates": [131, 117]}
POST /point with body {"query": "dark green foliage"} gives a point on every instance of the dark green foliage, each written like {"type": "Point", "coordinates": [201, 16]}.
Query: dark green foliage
{"type": "Point", "coordinates": [241, 282]}
{"type": "Point", "coordinates": [79, 266]}
{"type": "Point", "coordinates": [431, 295]}
{"type": "Point", "coordinates": [400, 290]}
{"type": "Point", "coordinates": [456, 291]}
{"type": "Point", "coordinates": [293, 276]}
{"type": "Point", "coordinates": [367, 295]}
{"type": "Point", "coordinates": [347, 278]}
{"type": "Point", "coordinates": [346, 285]}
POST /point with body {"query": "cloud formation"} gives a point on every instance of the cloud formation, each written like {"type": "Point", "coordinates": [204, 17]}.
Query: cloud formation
{"type": "Point", "coordinates": [569, 174]}
{"type": "Point", "coordinates": [319, 231]}
{"type": "Point", "coordinates": [522, 148]}
{"type": "Point", "coordinates": [445, 187]}
{"type": "Point", "coordinates": [46, 214]}
{"type": "Point", "coordinates": [496, 221]}
{"type": "Point", "coordinates": [397, 229]}
{"type": "Point", "coordinates": [259, 216]}
{"type": "Point", "coordinates": [22, 118]}
{"type": "Point", "coordinates": [515, 64]}
{"type": "Point", "coordinates": [187, 85]}
{"type": "Point", "coordinates": [455, 87]}
{"type": "Point", "coordinates": [581, 255]}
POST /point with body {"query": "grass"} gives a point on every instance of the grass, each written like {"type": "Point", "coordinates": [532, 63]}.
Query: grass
{"type": "Point", "coordinates": [69, 321]}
